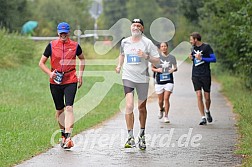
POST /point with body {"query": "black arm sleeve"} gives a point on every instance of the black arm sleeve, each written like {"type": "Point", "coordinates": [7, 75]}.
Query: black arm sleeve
{"type": "Point", "coordinates": [48, 51]}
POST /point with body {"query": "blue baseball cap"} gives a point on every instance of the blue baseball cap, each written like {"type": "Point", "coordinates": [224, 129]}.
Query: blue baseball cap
{"type": "Point", "coordinates": [63, 27]}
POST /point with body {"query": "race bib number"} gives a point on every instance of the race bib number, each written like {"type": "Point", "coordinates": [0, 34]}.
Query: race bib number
{"type": "Point", "coordinates": [133, 59]}
{"type": "Point", "coordinates": [198, 62]}
{"type": "Point", "coordinates": [165, 77]}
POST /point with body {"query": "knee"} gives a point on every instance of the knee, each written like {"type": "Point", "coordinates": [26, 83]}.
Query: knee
{"type": "Point", "coordinates": [129, 108]}
{"type": "Point", "coordinates": [208, 100]}
{"type": "Point", "coordinates": [161, 102]}
{"type": "Point", "coordinates": [167, 98]}
{"type": "Point", "coordinates": [69, 108]}
{"type": "Point", "coordinates": [58, 113]}
{"type": "Point", "coordinates": [199, 95]}
{"type": "Point", "coordinates": [142, 109]}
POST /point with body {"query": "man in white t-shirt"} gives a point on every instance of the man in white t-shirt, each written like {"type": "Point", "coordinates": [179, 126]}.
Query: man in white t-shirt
{"type": "Point", "coordinates": [135, 54]}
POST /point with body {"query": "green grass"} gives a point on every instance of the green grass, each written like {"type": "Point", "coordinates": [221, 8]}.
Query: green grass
{"type": "Point", "coordinates": [27, 110]}
{"type": "Point", "coordinates": [240, 97]}
{"type": "Point", "coordinates": [15, 49]}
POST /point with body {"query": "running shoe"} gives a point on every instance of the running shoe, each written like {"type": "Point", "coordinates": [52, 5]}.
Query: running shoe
{"type": "Point", "coordinates": [203, 121]}
{"type": "Point", "coordinates": [166, 119]}
{"type": "Point", "coordinates": [209, 117]}
{"type": "Point", "coordinates": [68, 144]}
{"type": "Point", "coordinates": [130, 143]}
{"type": "Point", "coordinates": [161, 113]}
{"type": "Point", "coordinates": [141, 143]}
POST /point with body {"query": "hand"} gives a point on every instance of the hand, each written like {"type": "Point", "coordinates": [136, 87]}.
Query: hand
{"type": "Point", "coordinates": [79, 82]}
{"type": "Point", "coordinates": [198, 56]}
{"type": "Point", "coordinates": [190, 57]}
{"type": "Point", "coordinates": [140, 53]}
{"type": "Point", "coordinates": [118, 69]}
{"type": "Point", "coordinates": [160, 70]}
{"type": "Point", "coordinates": [171, 70]}
{"type": "Point", "coordinates": [52, 74]}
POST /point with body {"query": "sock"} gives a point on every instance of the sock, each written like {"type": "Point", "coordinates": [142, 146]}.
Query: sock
{"type": "Point", "coordinates": [142, 132]}
{"type": "Point", "coordinates": [203, 117]}
{"type": "Point", "coordinates": [62, 132]}
{"type": "Point", "coordinates": [130, 133]}
{"type": "Point", "coordinates": [207, 111]}
{"type": "Point", "coordinates": [67, 135]}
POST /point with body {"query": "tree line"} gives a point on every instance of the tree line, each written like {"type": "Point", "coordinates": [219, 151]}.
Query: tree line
{"type": "Point", "coordinates": [225, 24]}
{"type": "Point", "coordinates": [228, 26]}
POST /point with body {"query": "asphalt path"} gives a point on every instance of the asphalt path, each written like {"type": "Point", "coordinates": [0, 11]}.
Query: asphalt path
{"type": "Point", "coordinates": [183, 142]}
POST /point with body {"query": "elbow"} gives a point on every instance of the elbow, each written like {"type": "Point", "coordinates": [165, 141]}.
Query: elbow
{"type": "Point", "coordinates": [39, 64]}
{"type": "Point", "coordinates": [156, 61]}
{"type": "Point", "coordinates": [213, 58]}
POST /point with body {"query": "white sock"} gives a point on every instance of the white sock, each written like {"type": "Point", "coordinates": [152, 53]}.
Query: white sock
{"type": "Point", "coordinates": [130, 133]}
{"type": "Point", "coordinates": [203, 117]}
{"type": "Point", "coordinates": [207, 111]}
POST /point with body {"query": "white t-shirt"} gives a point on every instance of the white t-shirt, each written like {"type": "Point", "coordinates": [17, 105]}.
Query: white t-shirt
{"type": "Point", "coordinates": [135, 68]}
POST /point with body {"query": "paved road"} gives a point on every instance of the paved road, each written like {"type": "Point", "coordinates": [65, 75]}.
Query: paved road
{"type": "Point", "coordinates": [180, 143]}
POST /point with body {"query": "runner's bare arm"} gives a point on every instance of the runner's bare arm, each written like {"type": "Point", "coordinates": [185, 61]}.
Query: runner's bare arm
{"type": "Point", "coordinates": [81, 69]}
{"type": "Point", "coordinates": [44, 68]}
{"type": "Point", "coordinates": [120, 63]}
{"type": "Point", "coordinates": [150, 58]}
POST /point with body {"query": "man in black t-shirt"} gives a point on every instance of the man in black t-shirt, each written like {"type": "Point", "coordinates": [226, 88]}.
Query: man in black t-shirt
{"type": "Point", "coordinates": [202, 55]}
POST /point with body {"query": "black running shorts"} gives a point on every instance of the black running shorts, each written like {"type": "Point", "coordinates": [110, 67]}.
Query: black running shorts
{"type": "Point", "coordinates": [202, 83]}
{"type": "Point", "coordinates": [59, 92]}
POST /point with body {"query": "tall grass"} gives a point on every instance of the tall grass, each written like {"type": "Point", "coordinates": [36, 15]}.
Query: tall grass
{"type": "Point", "coordinates": [15, 49]}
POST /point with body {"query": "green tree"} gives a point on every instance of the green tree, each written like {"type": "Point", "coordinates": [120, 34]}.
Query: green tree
{"type": "Point", "coordinates": [13, 14]}
{"type": "Point", "coordinates": [189, 8]}
{"type": "Point", "coordinates": [49, 13]}
{"type": "Point", "coordinates": [228, 27]}
{"type": "Point", "coordinates": [148, 11]}
{"type": "Point", "coordinates": [113, 10]}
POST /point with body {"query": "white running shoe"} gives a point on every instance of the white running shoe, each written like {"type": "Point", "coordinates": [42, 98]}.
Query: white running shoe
{"type": "Point", "coordinates": [166, 120]}
{"type": "Point", "coordinates": [161, 113]}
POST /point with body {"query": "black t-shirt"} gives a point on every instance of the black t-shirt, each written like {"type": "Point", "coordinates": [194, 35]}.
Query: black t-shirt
{"type": "Point", "coordinates": [48, 50]}
{"type": "Point", "coordinates": [201, 68]}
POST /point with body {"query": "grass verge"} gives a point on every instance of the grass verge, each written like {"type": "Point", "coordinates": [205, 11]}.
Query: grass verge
{"type": "Point", "coordinates": [27, 110]}
{"type": "Point", "coordinates": [233, 88]}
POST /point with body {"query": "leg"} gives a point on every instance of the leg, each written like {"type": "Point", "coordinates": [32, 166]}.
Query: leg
{"type": "Point", "coordinates": [161, 100]}
{"type": "Point", "coordinates": [159, 89]}
{"type": "Point", "coordinates": [200, 102]}
{"type": "Point", "coordinates": [129, 115]}
{"type": "Point", "coordinates": [207, 100]}
{"type": "Point", "coordinates": [142, 113]}
{"type": "Point", "coordinates": [142, 118]}
{"type": "Point", "coordinates": [58, 98]}
{"type": "Point", "coordinates": [207, 88]}
{"type": "Point", "coordinates": [142, 92]}
{"type": "Point", "coordinates": [69, 119]}
{"type": "Point", "coordinates": [167, 95]}
{"type": "Point", "coordinates": [60, 117]}
{"type": "Point", "coordinates": [69, 91]}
